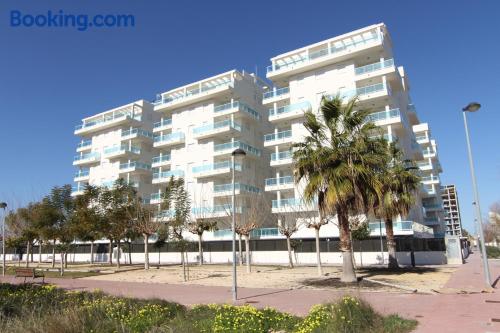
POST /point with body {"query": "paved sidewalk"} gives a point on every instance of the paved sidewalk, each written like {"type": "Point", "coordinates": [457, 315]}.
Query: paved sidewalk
{"type": "Point", "coordinates": [435, 313]}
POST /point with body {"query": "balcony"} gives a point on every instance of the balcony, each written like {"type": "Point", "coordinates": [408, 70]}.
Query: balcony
{"type": "Point", "coordinates": [134, 167]}
{"type": "Point", "coordinates": [399, 228]}
{"type": "Point", "coordinates": [228, 147]}
{"type": "Point", "coordinates": [136, 133]}
{"type": "Point", "coordinates": [224, 190]}
{"type": "Point", "coordinates": [431, 221]}
{"type": "Point", "coordinates": [119, 117]}
{"type": "Point", "coordinates": [155, 198]}
{"type": "Point", "coordinates": [292, 205]}
{"type": "Point", "coordinates": [330, 52]}
{"type": "Point", "coordinates": [191, 95]}
{"type": "Point", "coordinates": [281, 158]}
{"type": "Point", "coordinates": [365, 92]}
{"type": "Point", "coordinates": [169, 139]}
{"type": "Point", "coordinates": [278, 138]}
{"type": "Point", "coordinates": [291, 111]}
{"type": "Point", "coordinates": [429, 153]}
{"type": "Point", "coordinates": [162, 125]}
{"type": "Point", "coordinates": [432, 207]}
{"type": "Point", "coordinates": [421, 139]}
{"type": "Point", "coordinates": [388, 117]}
{"type": "Point", "coordinates": [215, 211]}
{"type": "Point", "coordinates": [121, 151]}
{"type": "Point", "coordinates": [380, 68]}
{"type": "Point", "coordinates": [164, 177]}
{"type": "Point", "coordinates": [81, 175]}
{"type": "Point", "coordinates": [276, 95]}
{"type": "Point", "coordinates": [215, 169]}
{"type": "Point", "coordinates": [221, 127]}
{"type": "Point", "coordinates": [84, 145]}
{"type": "Point", "coordinates": [88, 158]}
{"type": "Point", "coordinates": [281, 183]}
{"type": "Point", "coordinates": [428, 190]}
{"type": "Point", "coordinates": [78, 189]}
{"type": "Point", "coordinates": [430, 179]}
{"type": "Point", "coordinates": [234, 107]}
{"type": "Point", "coordinates": [161, 160]}
{"type": "Point", "coordinates": [254, 234]}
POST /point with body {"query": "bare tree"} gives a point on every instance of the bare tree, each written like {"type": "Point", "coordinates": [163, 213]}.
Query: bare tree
{"type": "Point", "coordinates": [145, 223]}
{"type": "Point", "coordinates": [198, 227]}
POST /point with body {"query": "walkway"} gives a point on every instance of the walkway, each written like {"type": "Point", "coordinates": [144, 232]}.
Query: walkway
{"type": "Point", "coordinates": [436, 313]}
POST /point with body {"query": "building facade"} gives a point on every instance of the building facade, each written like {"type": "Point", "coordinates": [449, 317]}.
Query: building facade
{"type": "Point", "coordinates": [451, 210]}
{"type": "Point", "coordinates": [192, 130]}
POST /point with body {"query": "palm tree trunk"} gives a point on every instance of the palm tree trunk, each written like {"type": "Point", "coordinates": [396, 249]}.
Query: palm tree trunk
{"type": "Point", "coordinates": [28, 254]}
{"type": "Point", "coordinates": [65, 259]}
{"type": "Point", "coordinates": [200, 250]}
{"type": "Point", "coordinates": [62, 264]}
{"type": "Point", "coordinates": [92, 252]}
{"type": "Point", "coordinates": [247, 253]}
{"type": "Point", "coordinates": [118, 254]}
{"type": "Point", "coordinates": [110, 252]}
{"type": "Point", "coordinates": [146, 252]}
{"type": "Point", "coordinates": [318, 252]}
{"type": "Point", "coordinates": [289, 248]}
{"type": "Point", "coordinates": [348, 273]}
{"type": "Point", "coordinates": [130, 252]}
{"type": "Point", "coordinates": [391, 244]}
{"type": "Point", "coordinates": [31, 253]}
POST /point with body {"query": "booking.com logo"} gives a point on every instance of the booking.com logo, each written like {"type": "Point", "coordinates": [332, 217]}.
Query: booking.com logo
{"type": "Point", "coordinates": [81, 22]}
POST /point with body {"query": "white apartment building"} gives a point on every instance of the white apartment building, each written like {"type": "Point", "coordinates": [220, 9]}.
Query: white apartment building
{"type": "Point", "coordinates": [451, 208]}
{"type": "Point", "coordinates": [359, 63]}
{"type": "Point", "coordinates": [114, 144]}
{"type": "Point", "coordinates": [190, 132]}
{"type": "Point", "coordinates": [200, 125]}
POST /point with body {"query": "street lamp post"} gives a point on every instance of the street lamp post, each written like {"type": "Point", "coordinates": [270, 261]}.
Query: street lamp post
{"type": "Point", "coordinates": [237, 153]}
{"type": "Point", "coordinates": [473, 107]}
{"type": "Point", "coordinates": [3, 205]}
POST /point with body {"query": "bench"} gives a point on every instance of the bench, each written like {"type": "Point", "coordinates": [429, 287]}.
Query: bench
{"type": "Point", "coordinates": [29, 273]}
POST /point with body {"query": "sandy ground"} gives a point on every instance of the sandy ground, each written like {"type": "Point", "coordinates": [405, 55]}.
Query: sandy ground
{"type": "Point", "coordinates": [424, 279]}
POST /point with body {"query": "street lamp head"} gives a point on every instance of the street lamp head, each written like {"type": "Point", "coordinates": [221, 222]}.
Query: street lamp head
{"type": "Point", "coordinates": [3, 205]}
{"type": "Point", "coordinates": [472, 107]}
{"type": "Point", "coordinates": [238, 153]}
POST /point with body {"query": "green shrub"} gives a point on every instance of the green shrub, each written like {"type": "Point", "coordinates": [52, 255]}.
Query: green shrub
{"type": "Point", "coordinates": [493, 252]}
{"type": "Point", "coordinates": [35, 309]}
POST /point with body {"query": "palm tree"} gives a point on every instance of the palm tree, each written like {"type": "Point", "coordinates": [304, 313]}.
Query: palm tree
{"type": "Point", "coordinates": [399, 182]}
{"type": "Point", "coordinates": [338, 162]}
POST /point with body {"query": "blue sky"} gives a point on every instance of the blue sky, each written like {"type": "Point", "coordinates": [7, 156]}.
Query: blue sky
{"type": "Point", "coordinates": [52, 77]}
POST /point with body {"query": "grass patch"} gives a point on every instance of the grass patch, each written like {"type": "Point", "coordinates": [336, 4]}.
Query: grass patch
{"type": "Point", "coordinates": [11, 270]}
{"type": "Point", "coordinates": [34, 308]}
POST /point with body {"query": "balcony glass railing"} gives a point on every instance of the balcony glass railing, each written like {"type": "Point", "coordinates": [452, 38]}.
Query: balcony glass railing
{"type": "Point", "coordinates": [283, 155]}
{"type": "Point", "coordinates": [169, 137]}
{"type": "Point", "coordinates": [421, 137]}
{"type": "Point", "coordinates": [264, 232]}
{"type": "Point", "coordinates": [160, 159]}
{"type": "Point", "coordinates": [347, 44]}
{"type": "Point", "coordinates": [216, 166]}
{"type": "Point", "coordinates": [432, 206]}
{"type": "Point", "coordinates": [82, 173]}
{"type": "Point", "coordinates": [383, 115]}
{"type": "Point", "coordinates": [291, 202]}
{"type": "Point", "coordinates": [87, 156]}
{"type": "Point", "coordinates": [215, 209]}
{"type": "Point", "coordinates": [237, 144]}
{"type": "Point", "coordinates": [237, 186]}
{"type": "Point", "coordinates": [423, 165]}
{"type": "Point", "coordinates": [215, 126]}
{"type": "Point", "coordinates": [155, 196]}
{"type": "Point", "coordinates": [168, 174]}
{"type": "Point", "coordinates": [164, 122]}
{"type": "Point", "coordinates": [86, 143]}
{"type": "Point", "coordinates": [276, 93]}
{"type": "Point", "coordinates": [135, 165]}
{"type": "Point", "coordinates": [193, 92]}
{"type": "Point", "coordinates": [279, 181]}
{"type": "Point", "coordinates": [122, 149]}
{"type": "Point", "coordinates": [107, 119]}
{"type": "Point", "coordinates": [78, 188]}
{"type": "Point", "coordinates": [137, 131]}
{"type": "Point", "coordinates": [374, 67]}
{"type": "Point", "coordinates": [239, 105]}
{"type": "Point", "coordinates": [278, 136]}
{"type": "Point", "coordinates": [397, 226]}
{"type": "Point", "coordinates": [304, 106]}
{"type": "Point", "coordinates": [411, 108]}
{"type": "Point", "coordinates": [429, 178]}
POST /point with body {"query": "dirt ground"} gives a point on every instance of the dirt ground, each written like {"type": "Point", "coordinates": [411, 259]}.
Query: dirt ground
{"type": "Point", "coordinates": [423, 279]}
